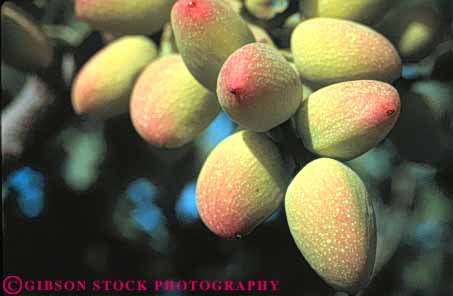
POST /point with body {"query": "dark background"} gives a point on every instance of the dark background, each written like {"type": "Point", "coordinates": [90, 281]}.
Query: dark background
{"type": "Point", "coordinates": [90, 200]}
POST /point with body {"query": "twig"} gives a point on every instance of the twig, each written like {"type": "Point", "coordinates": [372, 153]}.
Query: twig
{"type": "Point", "coordinates": [20, 116]}
{"type": "Point", "coordinates": [287, 55]}
{"type": "Point", "coordinates": [285, 137]}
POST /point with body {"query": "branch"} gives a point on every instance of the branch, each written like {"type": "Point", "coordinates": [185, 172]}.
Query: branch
{"type": "Point", "coordinates": [286, 138]}
{"type": "Point", "coordinates": [21, 115]}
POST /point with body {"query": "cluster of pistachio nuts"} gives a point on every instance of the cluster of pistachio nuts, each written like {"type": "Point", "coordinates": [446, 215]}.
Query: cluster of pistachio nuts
{"type": "Point", "coordinates": [334, 84]}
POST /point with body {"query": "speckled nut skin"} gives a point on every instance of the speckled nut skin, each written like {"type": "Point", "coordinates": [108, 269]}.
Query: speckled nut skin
{"type": "Point", "coordinates": [363, 11]}
{"type": "Point", "coordinates": [328, 50]}
{"type": "Point", "coordinates": [125, 17]}
{"type": "Point", "coordinates": [24, 45]}
{"type": "Point", "coordinates": [206, 33]}
{"type": "Point", "coordinates": [346, 119]}
{"type": "Point", "coordinates": [258, 88]}
{"type": "Point", "coordinates": [241, 183]}
{"type": "Point", "coordinates": [169, 108]}
{"type": "Point", "coordinates": [332, 221]}
{"type": "Point", "coordinates": [103, 86]}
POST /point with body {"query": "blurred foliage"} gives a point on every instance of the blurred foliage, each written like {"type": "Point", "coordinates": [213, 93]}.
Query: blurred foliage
{"type": "Point", "coordinates": [94, 201]}
{"type": "Point", "coordinates": [85, 150]}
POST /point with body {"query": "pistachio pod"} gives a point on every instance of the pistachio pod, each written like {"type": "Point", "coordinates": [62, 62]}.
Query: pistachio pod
{"type": "Point", "coordinates": [414, 30]}
{"type": "Point", "coordinates": [332, 221]}
{"type": "Point", "coordinates": [103, 86]}
{"type": "Point", "coordinates": [241, 184]}
{"type": "Point", "coordinates": [330, 50]}
{"type": "Point", "coordinates": [346, 119]}
{"type": "Point", "coordinates": [363, 11]}
{"type": "Point", "coordinates": [25, 46]}
{"type": "Point", "coordinates": [125, 17]}
{"type": "Point", "coordinates": [206, 33]}
{"type": "Point", "coordinates": [258, 88]}
{"type": "Point", "coordinates": [169, 114]}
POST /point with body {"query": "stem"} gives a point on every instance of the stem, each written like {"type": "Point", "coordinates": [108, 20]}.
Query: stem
{"type": "Point", "coordinates": [287, 55]}
{"type": "Point", "coordinates": [167, 42]}
{"type": "Point", "coordinates": [285, 136]}
{"type": "Point", "coordinates": [19, 117]}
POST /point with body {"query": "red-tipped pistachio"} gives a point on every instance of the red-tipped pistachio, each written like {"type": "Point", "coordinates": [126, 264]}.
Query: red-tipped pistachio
{"type": "Point", "coordinates": [241, 184]}
{"type": "Point", "coordinates": [347, 119]}
{"type": "Point", "coordinates": [328, 50]}
{"type": "Point", "coordinates": [206, 33]}
{"type": "Point", "coordinates": [331, 219]}
{"type": "Point", "coordinates": [125, 17]}
{"type": "Point", "coordinates": [103, 86]}
{"type": "Point", "coordinates": [169, 108]}
{"type": "Point", "coordinates": [258, 88]}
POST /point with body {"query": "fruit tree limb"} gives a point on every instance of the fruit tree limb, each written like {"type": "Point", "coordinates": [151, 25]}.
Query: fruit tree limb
{"type": "Point", "coordinates": [21, 115]}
